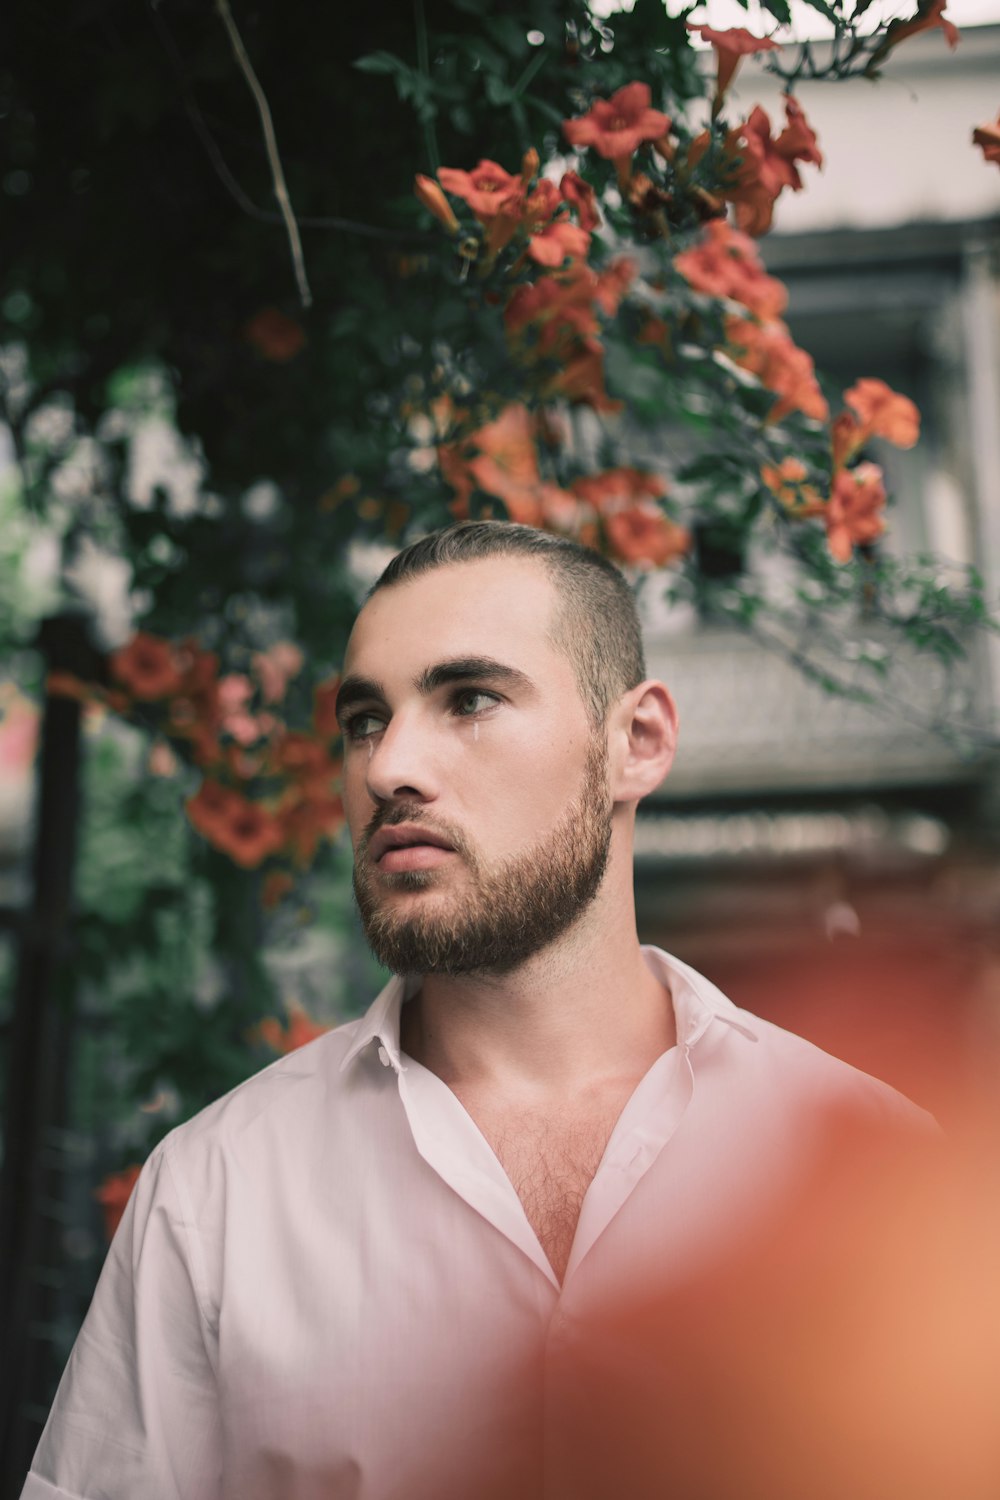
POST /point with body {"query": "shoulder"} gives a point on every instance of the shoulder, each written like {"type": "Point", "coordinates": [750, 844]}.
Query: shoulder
{"type": "Point", "coordinates": [287, 1103]}
{"type": "Point", "coordinates": [810, 1074]}
{"type": "Point", "coordinates": [790, 1075]}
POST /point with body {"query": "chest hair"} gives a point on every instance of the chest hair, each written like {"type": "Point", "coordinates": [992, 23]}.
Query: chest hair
{"type": "Point", "coordinates": [551, 1156]}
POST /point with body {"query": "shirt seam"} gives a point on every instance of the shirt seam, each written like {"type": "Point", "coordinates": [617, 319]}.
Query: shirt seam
{"type": "Point", "coordinates": [199, 1269]}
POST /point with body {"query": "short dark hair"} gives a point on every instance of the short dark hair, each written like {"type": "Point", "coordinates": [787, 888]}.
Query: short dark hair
{"type": "Point", "coordinates": [596, 625]}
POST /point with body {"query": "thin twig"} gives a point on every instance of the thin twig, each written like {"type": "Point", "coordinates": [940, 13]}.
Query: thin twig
{"type": "Point", "coordinates": [533, 67]}
{"type": "Point", "coordinates": [270, 142]}
{"type": "Point", "coordinates": [372, 231]}
{"type": "Point", "coordinates": [885, 702]}
{"type": "Point", "coordinates": [424, 64]}
{"type": "Point", "coordinates": [228, 179]}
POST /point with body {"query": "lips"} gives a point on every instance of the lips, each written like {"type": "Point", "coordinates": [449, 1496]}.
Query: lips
{"type": "Point", "coordinates": [405, 836]}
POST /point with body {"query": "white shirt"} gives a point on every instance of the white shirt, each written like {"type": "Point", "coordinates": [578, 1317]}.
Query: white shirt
{"type": "Point", "coordinates": [326, 1288]}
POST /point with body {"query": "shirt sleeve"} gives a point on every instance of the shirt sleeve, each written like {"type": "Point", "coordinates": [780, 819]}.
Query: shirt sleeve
{"type": "Point", "coordinates": [137, 1410]}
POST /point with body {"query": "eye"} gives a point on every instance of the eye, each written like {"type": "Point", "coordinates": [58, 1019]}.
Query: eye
{"type": "Point", "coordinates": [361, 727]}
{"type": "Point", "coordinates": [469, 702]}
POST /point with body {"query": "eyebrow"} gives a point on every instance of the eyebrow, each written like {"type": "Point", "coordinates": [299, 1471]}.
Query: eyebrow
{"type": "Point", "coordinates": [355, 690]}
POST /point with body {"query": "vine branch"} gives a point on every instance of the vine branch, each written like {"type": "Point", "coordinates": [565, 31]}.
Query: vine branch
{"type": "Point", "coordinates": [424, 64]}
{"type": "Point", "coordinates": [227, 177]}
{"type": "Point", "coordinates": [271, 145]}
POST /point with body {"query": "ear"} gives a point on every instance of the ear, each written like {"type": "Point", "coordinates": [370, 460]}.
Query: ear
{"type": "Point", "coordinates": [642, 741]}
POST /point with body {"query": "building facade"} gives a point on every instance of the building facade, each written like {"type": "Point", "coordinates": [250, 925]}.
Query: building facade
{"type": "Point", "coordinates": [833, 863]}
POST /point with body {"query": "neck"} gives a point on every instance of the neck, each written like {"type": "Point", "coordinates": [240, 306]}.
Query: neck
{"type": "Point", "coordinates": [583, 1009]}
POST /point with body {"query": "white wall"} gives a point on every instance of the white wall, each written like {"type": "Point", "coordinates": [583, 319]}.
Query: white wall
{"type": "Point", "coordinates": [898, 150]}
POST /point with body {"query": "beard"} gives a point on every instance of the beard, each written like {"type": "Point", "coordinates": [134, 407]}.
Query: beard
{"type": "Point", "coordinates": [502, 915]}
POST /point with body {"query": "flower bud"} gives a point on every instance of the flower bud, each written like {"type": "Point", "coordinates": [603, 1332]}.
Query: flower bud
{"type": "Point", "coordinates": [431, 196]}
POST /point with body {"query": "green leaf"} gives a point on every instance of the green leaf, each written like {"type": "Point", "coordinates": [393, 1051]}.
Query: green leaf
{"type": "Point", "coordinates": [548, 111]}
{"type": "Point", "coordinates": [498, 92]}
{"type": "Point", "coordinates": [489, 59]}
{"type": "Point", "coordinates": [380, 62]}
{"type": "Point", "coordinates": [508, 34]}
{"type": "Point", "coordinates": [779, 9]}
{"type": "Point", "coordinates": [637, 382]}
{"type": "Point", "coordinates": [708, 466]}
{"type": "Point", "coordinates": [649, 25]}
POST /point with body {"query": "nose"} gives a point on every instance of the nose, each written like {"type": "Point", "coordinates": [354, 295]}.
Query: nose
{"type": "Point", "coordinates": [401, 764]}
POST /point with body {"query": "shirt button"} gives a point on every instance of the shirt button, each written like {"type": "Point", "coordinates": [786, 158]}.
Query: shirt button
{"type": "Point", "coordinates": [383, 1057]}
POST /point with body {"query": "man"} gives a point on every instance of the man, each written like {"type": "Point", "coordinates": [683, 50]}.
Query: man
{"type": "Point", "coordinates": [367, 1271]}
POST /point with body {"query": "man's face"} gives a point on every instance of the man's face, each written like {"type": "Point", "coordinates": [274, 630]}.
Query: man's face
{"type": "Point", "coordinates": [475, 788]}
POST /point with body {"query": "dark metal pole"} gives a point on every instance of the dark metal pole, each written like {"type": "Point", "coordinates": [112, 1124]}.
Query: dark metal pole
{"type": "Point", "coordinates": [38, 1022]}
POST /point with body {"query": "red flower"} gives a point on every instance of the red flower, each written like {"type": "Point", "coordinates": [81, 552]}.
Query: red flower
{"type": "Point", "coordinates": [581, 381]}
{"type": "Point", "coordinates": [18, 734]}
{"type": "Point", "coordinates": [453, 467]}
{"type": "Point", "coordinates": [637, 531]}
{"type": "Point", "coordinates": [768, 351]}
{"type": "Point", "coordinates": [786, 482]}
{"type": "Point", "coordinates": [301, 1029]}
{"type": "Point", "coordinates": [196, 711]}
{"type": "Point", "coordinates": [209, 809]}
{"type": "Point", "coordinates": [201, 669]}
{"type": "Point", "coordinates": [797, 142]}
{"type": "Point", "coordinates": [654, 332]}
{"type": "Point", "coordinates": [987, 138]}
{"type": "Point", "coordinates": [616, 127]}
{"type": "Point", "coordinates": [347, 488]}
{"type": "Point", "coordinates": [250, 833]}
{"type": "Point", "coordinates": [234, 824]}
{"type": "Point", "coordinates": [541, 205]}
{"type": "Point", "coordinates": [767, 164]}
{"type": "Point", "coordinates": [557, 242]}
{"type": "Point", "coordinates": [643, 536]}
{"type": "Point", "coordinates": [560, 509]}
{"type": "Point", "coordinates": [276, 886]}
{"type": "Point", "coordinates": [275, 668]}
{"type": "Point", "coordinates": [874, 410]}
{"type": "Point", "coordinates": [618, 488]}
{"type": "Point", "coordinates": [581, 198]}
{"type": "Point", "coordinates": [730, 47]}
{"type": "Point", "coordinates": [310, 814]}
{"type": "Point", "coordinates": [846, 437]}
{"type": "Point", "coordinates": [557, 307]}
{"type": "Point", "coordinates": [930, 13]}
{"type": "Point", "coordinates": [324, 708]}
{"type": "Point", "coordinates": [883, 412]}
{"type": "Point", "coordinates": [301, 755]}
{"type": "Point", "coordinates": [726, 264]}
{"type": "Point", "coordinates": [488, 190]}
{"type": "Point", "coordinates": [555, 319]}
{"type": "Point", "coordinates": [113, 1195]}
{"type": "Point", "coordinates": [551, 240]}
{"type": "Point", "coordinates": [854, 513]}
{"type": "Point", "coordinates": [234, 693]}
{"type": "Point", "coordinates": [275, 336]}
{"type": "Point", "coordinates": [507, 464]}
{"type": "Point", "coordinates": [613, 283]}
{"type": "Point", "coordinates": [147, 667]}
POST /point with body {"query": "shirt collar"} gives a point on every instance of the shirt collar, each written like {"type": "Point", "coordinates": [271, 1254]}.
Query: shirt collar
{"type": "Point", "coordinates": [697, 1003]}
{"type": "Point", "coordinates": [380, 1023]}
